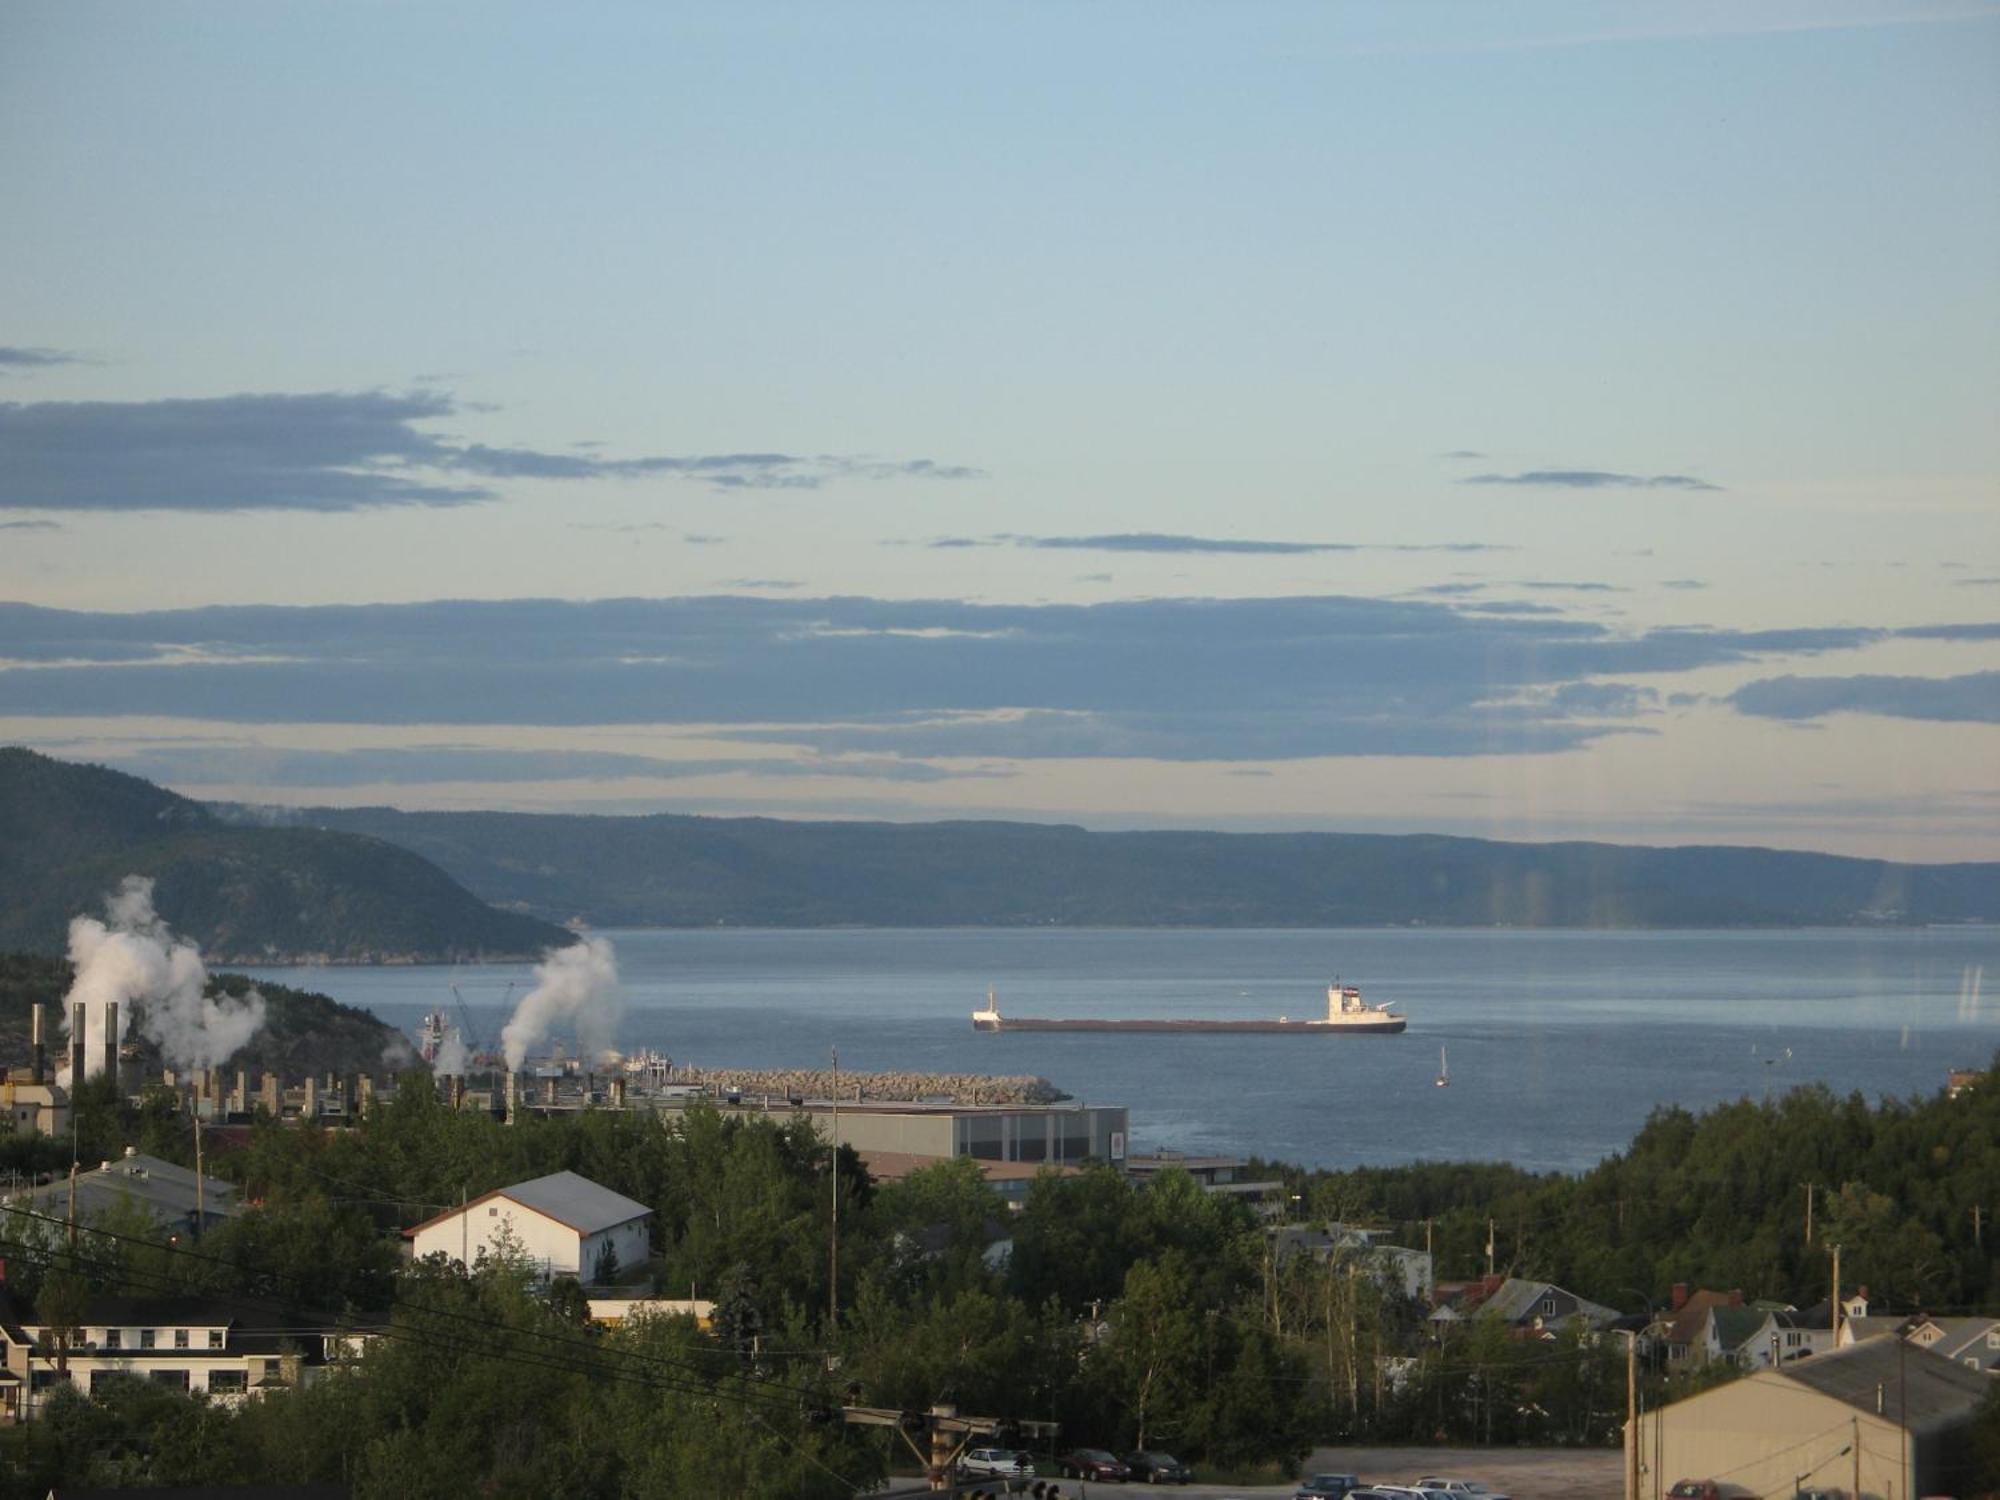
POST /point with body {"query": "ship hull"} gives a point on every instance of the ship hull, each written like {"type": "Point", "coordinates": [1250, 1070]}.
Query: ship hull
{"type": "Point", "coordinates": [1372, 1027]}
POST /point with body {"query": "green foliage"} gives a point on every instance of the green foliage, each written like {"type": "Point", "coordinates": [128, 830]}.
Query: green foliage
{"type": "Point", "coordinates": [1719, 1200]}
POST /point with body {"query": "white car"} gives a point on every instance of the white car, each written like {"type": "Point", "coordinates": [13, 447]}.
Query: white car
{"type": "Point", "coordinates": [1456, 1489]}
{"type": "Point", "coordinates": [996, 1463]}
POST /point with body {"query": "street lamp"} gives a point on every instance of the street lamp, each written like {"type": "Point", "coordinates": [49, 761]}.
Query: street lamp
{"type": "Point", "coordinates": [1633, 1411]}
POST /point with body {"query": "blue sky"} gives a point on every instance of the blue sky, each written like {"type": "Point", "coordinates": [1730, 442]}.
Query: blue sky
{"type": "Point", "coordinates": [1537, 420]}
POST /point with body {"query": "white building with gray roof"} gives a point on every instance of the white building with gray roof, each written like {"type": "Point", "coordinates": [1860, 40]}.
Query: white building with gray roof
{"type": "Point", "coordinates": [565, 1224]}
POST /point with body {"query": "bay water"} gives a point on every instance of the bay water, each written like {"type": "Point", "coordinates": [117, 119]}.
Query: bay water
{"type": "Point", "coordinates": [1559, 1043]}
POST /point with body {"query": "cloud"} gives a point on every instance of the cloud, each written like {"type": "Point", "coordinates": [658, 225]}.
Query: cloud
{"type": "Point", "coordinates": [1971, 699]}
{"type": "Point", "coordinates": [330, 451]}
{"type": "Point", "coordinates": [1984, 630]}
{"type": "Point", "coordinates": [1593, 479]}
{"type": "Point", "coordinates": [1175, 679]}
{"type": "Point", "coordinates": [763, 583]}
{"type": "Point", "coordinates": [1553, 585]}
{"type": "Point", "coordinates": [1462, 453]}
{"type": "Point", "coordinates": [1976, 583]}
{"type": "Point", "coordinates": [19, 357]}
{"type": "Point", "coordinates": [1683, 583]}
{"type": "Point", "coordinates": [1154, 541]}
{"type": "Point", "coordinates": [30, 526]}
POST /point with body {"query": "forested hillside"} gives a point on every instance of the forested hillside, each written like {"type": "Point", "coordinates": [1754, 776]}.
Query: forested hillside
{"type": "Point", "coordinates": [677, 871]}
{"type": "Point", "coordinates": [1907, 1188]}
{"type": "Point", "coordinates": [69, 834]}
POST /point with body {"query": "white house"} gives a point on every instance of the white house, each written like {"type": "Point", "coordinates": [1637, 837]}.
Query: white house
{"type": "Point", "coordinates": [184, 1344]}
{"type": "Point", "coordinates": [566, 1225]}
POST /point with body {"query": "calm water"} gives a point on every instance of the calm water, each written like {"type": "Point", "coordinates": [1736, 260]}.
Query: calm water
{"type": "Point", "coordinates": [1560, 1043]}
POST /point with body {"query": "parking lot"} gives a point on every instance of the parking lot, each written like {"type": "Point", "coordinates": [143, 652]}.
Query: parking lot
{"type": "Point", "coordinates": [1519, 1473]}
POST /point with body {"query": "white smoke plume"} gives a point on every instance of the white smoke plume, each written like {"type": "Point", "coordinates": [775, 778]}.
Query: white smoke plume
{"type": "Point", "coordinates": [579, 984]}
{"type": "Point", "coordinates": [453, 1057]}
{"type": "Point", "coordinates": [134, 957]}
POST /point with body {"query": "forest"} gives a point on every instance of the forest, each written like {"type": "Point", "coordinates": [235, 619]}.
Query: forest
{"type": "Point", "coordinates": [1158, 1316]}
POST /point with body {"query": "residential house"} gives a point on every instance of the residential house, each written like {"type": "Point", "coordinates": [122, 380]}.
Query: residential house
{"type": "Point", "coordinates": [1534, 1309]}
{"type": "Point", "coordinates": [1397, 1267]}
{"type": "Point", "coordinates": [185, 1344]}
{"type": "Point", "coordinates": [173, 1197]}
{"type": "Point", "coordinates": [565, 1224]}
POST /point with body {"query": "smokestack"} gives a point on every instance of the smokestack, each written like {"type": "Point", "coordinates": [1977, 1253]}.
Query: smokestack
{"type": "Point", "coordinates": [310, 1108]}
{"type": "Point", "coordinates": [78, 1024]}
{"type": "Point", "coordinates": [513, 1095]}
{"type": "Point", "coordinates": [617, 1093]}
{"type": "Point", "coordinates": [274, 1102]}
{"type": "Point", "coordinates": [39, 1068]}
{"type": "Point", "coordinates": [111, 1041]}
{"type": "Point", "coordinates": [457, 1086]}
{"type": "Point", "coordinates": [240, 1102]}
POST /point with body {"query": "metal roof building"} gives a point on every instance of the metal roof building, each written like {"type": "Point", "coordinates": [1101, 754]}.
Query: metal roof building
{"type": "Point", "coordinates": [167, 1192]}
{"type": "Point", "coordinates": [1879, 1420]}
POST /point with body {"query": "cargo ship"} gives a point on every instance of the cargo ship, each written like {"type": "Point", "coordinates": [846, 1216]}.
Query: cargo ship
{"type": "Point", "coordinates": [1346, 1014]}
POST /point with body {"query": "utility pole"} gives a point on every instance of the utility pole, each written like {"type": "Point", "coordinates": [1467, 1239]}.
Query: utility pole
{"type": "Point", "coordinates": [1631, 1414]}
{"type": "Point", "coordinates": [1833, 1314]}
{"type": "Point", "coordinates": [1809, 1209]}
{"type": "Point", "coordinates": [1489, 1247]}
{"type": "Point", "coordinates": [1427, 1243]}
{"type": "Point", "coordinates": [833, 1241]}
{"type": "Point", "coordinates": [200, 1205]}
{"type": "Point", "coordinates": [1975, 1227]}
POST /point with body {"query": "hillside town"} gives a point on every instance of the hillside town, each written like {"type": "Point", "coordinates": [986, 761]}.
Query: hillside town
{"type": "Point", "coordinates": [1203, 1303]}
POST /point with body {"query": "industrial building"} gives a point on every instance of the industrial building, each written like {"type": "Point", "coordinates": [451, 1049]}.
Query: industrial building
{"type": "Point", "coordinates": [1066, 1134]}
{"type": "Point", "coordinates": [1880, 1420]}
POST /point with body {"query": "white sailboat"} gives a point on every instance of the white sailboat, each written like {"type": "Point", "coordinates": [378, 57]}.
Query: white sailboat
{"type": "Point", "coordinates": [1444, 1070]}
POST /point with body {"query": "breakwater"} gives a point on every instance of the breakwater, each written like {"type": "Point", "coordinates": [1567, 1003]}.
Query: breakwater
{"type": "Point", "coordinates": [819, 1083]}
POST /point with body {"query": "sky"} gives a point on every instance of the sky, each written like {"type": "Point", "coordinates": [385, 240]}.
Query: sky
{"type": "Point", "coordinates": [1539, 421]}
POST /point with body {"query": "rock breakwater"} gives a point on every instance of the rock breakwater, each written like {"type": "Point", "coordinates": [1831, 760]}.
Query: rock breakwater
{"type": "Point", "coordinates": [818, 1083]}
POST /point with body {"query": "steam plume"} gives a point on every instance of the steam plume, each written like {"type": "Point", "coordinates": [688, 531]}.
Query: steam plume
{"type": "Point", "coordinates": [134, 957]}
{"type": "Point", "coordinates": [578, 983]}
{"type": "Point", "coordinates": [452, 1058]}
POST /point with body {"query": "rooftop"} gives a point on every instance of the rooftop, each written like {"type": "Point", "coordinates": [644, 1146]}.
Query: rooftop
{"type": "Point", "coordinates": [583, 1205]}
{"type": "Point", "coordinates": [1897, 1379]}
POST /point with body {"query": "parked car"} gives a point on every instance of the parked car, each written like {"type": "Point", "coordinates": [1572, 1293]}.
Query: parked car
{"type": "Point", "coordinates": [1093, 1463]}
{"type": "Point", "coordinates": [1150, 1466]}
{"type": "Point", "coordinates": [1695, 1489]}
{"type": "Point", "coordinates": [1456, 1489]}
{"type": "Point", "coordinates": [1001, 1463]}
{"type": "Point", "coordinates": [1327, 1487]}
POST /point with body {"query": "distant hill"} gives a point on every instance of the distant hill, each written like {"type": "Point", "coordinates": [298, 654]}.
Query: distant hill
{"type": "Point", "coordinates": [69, 834]}
{"type": "Point", "coordinates": [303, 1033]}
{"type": "Point", "coordinates": [686, 871]}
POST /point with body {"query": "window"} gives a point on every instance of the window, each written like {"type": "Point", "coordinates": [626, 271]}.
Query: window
{"type": "Point", "coordinates": [494, 1212]}
{"type": "Point", "coordinates": [176, 1379]}
{"type": "Point", "coordinates": [223, 1382]}
{"type": "Point", "coordinates": [1548, 1307]}
{"type": "Point", "coordinates": [114, 1338]}
{"type": "Point", "coordinates": [180, 1338]}
{"type": "Point", "coordinates": [1993, 1339]}
{"type": "Point", "coordinates": [215, 1338]}
{"type": "Point", "coordinates": [145, 1338]}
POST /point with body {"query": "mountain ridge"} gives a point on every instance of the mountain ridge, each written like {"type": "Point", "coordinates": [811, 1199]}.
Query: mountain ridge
{"type": "Point", "coordinates": [69, 833]}
{"type": "Point", "coordinates": [680, 870]}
